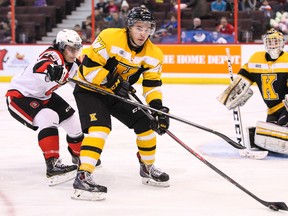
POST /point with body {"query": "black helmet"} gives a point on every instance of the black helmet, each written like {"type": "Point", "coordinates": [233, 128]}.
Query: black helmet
{"type": "Point", "coordinates": [141, 14]}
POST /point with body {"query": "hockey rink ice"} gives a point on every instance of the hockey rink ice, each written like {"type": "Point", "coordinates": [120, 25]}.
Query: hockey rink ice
{"type": "Point", "coordinates": [195, 189]}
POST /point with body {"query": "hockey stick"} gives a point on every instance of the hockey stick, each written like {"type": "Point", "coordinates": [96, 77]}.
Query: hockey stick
{"type": "Point", "coordinates": [237, 114]}
{"type": "Point", "coordinates": [272, 205]}
{"type": "Point", "coordinates": [249, 154]}
{"type": "Point", "coordinates": [236, 111]}
{"type": "Point", "coordinates": [275, 206]}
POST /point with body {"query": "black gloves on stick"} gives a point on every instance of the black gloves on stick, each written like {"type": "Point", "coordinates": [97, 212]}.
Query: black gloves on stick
{"type": "Point", "coordinates": [161, 122]}
{"type": "Point", "coordinates": [120, 87]}
{"type": "Point", "coordinates": [57, 73]}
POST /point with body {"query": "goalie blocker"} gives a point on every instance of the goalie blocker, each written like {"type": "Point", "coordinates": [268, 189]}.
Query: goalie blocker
{"type": "Point", "coordinates": [269, 136]}
{"type": "Point", "coordinates": [237, 94]}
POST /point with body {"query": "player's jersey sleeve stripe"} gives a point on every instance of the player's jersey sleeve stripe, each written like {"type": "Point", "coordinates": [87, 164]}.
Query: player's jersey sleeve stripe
{"type": "Point", "coordinates": [151, 83]}
{"type": "Point", "coordinates": [90, 63]}
{"type": "Point", "coordinates": [152, 94]}
{"type": "Point", "coordinates": [41, 66]}
{"type": "Point", "coordinates": [120, 51]}
{"type": "Point", "coordinates": [148, 60]}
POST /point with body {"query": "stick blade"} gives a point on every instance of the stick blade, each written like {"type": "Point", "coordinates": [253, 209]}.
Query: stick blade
{"type": "Point", "coordinates": [276, 206]}
{"type": "Point", "coordinates": [253, 154]}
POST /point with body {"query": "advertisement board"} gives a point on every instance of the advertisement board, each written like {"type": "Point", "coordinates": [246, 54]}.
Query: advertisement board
{"type": "Point", "coordinates": [203, 59]}
{"type": "Point", "coordinates": [203, 63]}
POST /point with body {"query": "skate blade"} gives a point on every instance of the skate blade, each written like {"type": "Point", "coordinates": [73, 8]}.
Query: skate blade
{"type": "Point", "coordinates": [87, 195]}
{"type": "Point", "coordinates": [59, 179]}
{"type": "Point", "coordinates": [149, 181]}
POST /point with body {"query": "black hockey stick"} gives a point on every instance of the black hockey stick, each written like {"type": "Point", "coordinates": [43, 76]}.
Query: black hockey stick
{"type": "Point", "coordinates": [272, 205]}
{"type": "Point", "coordinates": [275, 206]}
{"type": "Point", "coordinates": [146, 107]}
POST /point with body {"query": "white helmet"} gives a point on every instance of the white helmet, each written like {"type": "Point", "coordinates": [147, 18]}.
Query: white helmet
{"type": "Point", "coordinates": [274, 43]}
{"type": "Point", "coordinates": [68, 37]}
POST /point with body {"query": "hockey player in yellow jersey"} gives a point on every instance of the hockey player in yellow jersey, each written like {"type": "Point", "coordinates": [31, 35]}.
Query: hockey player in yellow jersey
{"type": "Point", "coordinates": [115, 61]}
{"type": "Point", "coordinates": [269, 70]}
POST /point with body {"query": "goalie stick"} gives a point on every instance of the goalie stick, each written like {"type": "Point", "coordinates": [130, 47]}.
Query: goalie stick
{"type": "Point", "coordinates": [237, 115]}
{"type": "Point", "coordinates": [236, 111]}
{"type": "Point", "coordinates": [275, 206]}
{"type": "Point", "coordinates": [250, 154]}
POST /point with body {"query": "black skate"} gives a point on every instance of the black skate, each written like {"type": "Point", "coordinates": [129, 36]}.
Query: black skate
{"type": "Point", "coordinates": [152, 175]}
{"type": "Point", "coordinates": [76, 159]}
{"type": "Point", "coordinates": [57, 172]}
{"type": "Point", "coordinates": [87, 189]}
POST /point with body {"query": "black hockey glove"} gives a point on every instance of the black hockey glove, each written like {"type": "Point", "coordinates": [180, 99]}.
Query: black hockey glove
{"type": "Point", "coordinates": [161, 122]}
{"type": "Point", "coordinates": [120, 87]}
{"type": "Point", "coordinates": [57, 73]}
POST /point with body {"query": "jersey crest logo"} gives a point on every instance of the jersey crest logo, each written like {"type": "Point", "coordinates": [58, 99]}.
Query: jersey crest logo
{"type": "Point", "coordinates": [268, 90]}
{"type": "Point", "coordinates": [124, 68]}
{"type": "Point", "coordinates": [34, 104]}
{"type": "Point", "coordinates": [93, 117]}
{"type": "Point", "coordinates": [3, 53]}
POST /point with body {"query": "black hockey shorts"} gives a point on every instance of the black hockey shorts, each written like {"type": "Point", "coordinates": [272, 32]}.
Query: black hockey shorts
{"type": "Point", "coordinates": [25, 109]}
{"type": "Point", "coordinates": [280, 117]}
{"type": "Point", "coordinates": [96, 109]}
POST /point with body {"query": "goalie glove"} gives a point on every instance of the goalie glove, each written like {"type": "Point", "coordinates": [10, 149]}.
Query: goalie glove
{"type": "Point", "coordinates": [237, 94]}
{"type": "Point", "coordinates": [285, 101]}
{"type": "Point", "coordinates": [57, 73]}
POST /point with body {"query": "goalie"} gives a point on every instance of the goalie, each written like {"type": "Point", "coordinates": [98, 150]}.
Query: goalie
{"type": "Point", "coordinates": [269, 70]}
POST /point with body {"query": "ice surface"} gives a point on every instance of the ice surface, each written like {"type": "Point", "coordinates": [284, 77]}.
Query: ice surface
{"type": "Point", "coordinates": [195, 188]}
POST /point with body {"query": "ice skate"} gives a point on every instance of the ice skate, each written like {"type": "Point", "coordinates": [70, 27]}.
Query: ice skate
{"type": "Point", "coordinates": [76, 159]}
{"type": "Point", "coordinates": [86, 189]}
{"type": "Point", "coordinates": [57, 172]}
{"type": "Point", "coordinates": [152, 175]}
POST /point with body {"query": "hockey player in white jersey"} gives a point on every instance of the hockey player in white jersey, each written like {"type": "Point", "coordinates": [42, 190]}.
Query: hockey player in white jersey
{"type": "Point", "coordinates": [32, 101]}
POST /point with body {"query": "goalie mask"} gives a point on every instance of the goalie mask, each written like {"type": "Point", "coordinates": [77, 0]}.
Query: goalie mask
{"type": "Point", "coordinates": [70, 38]}
{"type": "Point", "coordinates": [142, 15]}
{"type": "Point", "coordinates": [274, 43]}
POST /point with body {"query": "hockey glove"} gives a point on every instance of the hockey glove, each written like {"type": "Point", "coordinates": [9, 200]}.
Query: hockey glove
{"type": "Point", "coordinates": [161, 122]}
{"type": "Point", "coordinates": [120, 87]}
{"type": "Point", "coordinates": [285, 101]}
{"type": "Point", "coordinates": [57, 73]}
{"type": "Point", "coordinates": [237, 94]}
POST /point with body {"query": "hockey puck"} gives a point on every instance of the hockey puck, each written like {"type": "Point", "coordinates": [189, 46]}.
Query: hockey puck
{"type": "Point", "coordinates": [273, 207]}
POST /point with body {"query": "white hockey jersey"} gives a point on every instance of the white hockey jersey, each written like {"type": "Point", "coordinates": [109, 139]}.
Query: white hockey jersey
{"type": "Point", "coordinates": [33, 81]}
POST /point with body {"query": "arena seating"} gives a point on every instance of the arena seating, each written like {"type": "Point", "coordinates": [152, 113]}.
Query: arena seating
{"type": "Point", "coordinates": [35, 22]}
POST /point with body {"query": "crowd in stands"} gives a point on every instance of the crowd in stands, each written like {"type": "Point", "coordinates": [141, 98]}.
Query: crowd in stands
{"type": "Point", "coordinates": [33, 18]}
{"type": "Point", "coordinates": [201, 17]}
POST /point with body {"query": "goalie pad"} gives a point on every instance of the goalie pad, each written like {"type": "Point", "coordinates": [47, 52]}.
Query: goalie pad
{"type": "Point", "coordinates": [237, 94]}
{"type": "Point", "coordinates": [285, 101]}
{"type": "Point", "coordinates": [272, 137]}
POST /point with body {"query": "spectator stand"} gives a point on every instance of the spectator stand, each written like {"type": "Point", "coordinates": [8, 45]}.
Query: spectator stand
{"type": "Point", "coordinates": [202, 36]}
{"type": "Point", "coordinates": [35, 21]}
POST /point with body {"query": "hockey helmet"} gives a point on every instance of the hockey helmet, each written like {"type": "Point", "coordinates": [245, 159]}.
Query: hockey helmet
{"type": "Point", "coordinates": [67, 37]}
{"type": "Point", "coordinates": [274, 43]}
{"type": "Point", "coordinates": [141, 14]}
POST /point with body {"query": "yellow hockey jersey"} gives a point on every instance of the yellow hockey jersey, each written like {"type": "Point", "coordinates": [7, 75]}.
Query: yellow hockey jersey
{"type": "Point", "coordinates": [270, 76]}
{"type": "Point", "coordinates": [110, 53]}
